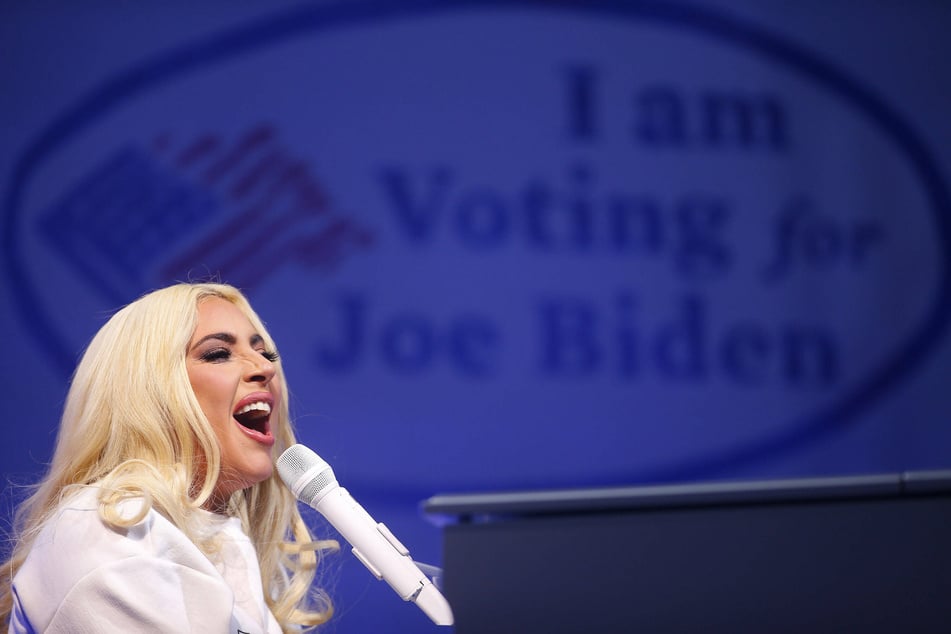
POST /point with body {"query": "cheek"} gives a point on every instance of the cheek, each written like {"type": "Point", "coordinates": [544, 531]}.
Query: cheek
{"type": "Point", "coordinates": [214, 394]}
{"type": "Point", "coordinates": [277, 389]}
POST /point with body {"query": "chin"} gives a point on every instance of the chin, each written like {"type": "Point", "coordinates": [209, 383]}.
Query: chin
{"type": "Point", "coordinates": [249, 475]}
{"type": "Point", "coordinates": [260, 475]}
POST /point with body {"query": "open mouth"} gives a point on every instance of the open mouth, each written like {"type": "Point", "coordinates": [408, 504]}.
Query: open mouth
{"type": "Point", "coordinates": [255, 416]}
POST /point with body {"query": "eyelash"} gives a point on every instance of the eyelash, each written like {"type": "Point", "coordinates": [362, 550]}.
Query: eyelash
{"type": "Point", "coordinates": [218, 355]}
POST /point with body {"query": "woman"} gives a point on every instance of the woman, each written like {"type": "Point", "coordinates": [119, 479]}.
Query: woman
{"type": "Point", "coordinates": [160, 510]}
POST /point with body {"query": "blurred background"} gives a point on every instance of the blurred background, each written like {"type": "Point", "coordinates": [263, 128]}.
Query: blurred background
{"type": "Point", "coordinates": [501, 245]}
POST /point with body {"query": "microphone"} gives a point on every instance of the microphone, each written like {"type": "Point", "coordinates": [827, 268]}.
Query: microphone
{"type": "Point", "coordinates": [313, 482]}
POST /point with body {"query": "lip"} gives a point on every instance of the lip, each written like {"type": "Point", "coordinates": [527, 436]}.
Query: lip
{"type": "Point", "coordinates": [266, 438]}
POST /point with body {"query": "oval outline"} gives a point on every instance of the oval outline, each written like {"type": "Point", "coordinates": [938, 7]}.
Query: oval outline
{"type": "Point", "coordinates": [796, 434]}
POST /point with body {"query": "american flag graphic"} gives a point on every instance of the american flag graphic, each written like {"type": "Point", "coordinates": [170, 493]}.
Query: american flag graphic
{"type": "Point", "coordinates": [208, 206]}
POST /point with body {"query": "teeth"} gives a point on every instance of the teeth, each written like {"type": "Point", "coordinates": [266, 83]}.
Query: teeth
{"type": "Point", "coordinates": [259, 405]}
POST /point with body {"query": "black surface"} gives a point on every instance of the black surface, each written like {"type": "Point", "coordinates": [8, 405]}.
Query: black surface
{"type": "Point", "coordinates": [857, 554]}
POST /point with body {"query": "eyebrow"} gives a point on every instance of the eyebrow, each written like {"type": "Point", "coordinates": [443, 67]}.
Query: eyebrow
{"type": "Point", "coordinates": [228, 338]}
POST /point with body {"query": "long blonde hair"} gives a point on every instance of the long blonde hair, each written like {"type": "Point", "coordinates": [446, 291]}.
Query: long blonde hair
{"type": "Point", "coordinates": [133, 427]}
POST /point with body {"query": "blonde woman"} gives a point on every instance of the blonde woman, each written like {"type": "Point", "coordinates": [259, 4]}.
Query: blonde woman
{"type": "Point", "coordinates": [160, 511]}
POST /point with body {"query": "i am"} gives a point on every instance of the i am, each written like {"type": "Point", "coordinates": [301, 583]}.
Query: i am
{"type": "Point", "coordinates": [663, 115]}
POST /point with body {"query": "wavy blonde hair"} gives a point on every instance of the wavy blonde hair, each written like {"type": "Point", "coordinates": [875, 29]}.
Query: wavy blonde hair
{"type": "Point", "coordinates": [133, 427]}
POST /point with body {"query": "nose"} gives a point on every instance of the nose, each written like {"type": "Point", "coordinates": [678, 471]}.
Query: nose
{"type": "Point", "coordinates": [260, 370]}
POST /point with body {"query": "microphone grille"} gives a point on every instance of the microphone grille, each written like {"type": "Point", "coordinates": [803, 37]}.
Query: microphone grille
{"type": "Point", "coordinates": [296, 462]}
{"type": "Point", "coordinates": [320, 482]}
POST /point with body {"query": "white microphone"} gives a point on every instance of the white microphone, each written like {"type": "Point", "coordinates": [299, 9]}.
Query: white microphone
{"type": "Point", "coordinates": [313, 482]}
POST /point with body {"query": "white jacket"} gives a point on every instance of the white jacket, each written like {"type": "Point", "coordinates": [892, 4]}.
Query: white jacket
{"type": "Point", "coordinates": [83, 576]}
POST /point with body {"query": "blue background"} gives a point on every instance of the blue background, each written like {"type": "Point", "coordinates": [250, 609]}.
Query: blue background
{"type": "Point", "coordinates": [496, 354]}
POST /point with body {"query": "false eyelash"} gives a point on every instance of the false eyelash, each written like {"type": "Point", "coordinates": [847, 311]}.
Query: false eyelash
{"type": "Point", "coordinates": [223, 354]}
{"type": "Point", "coordinates": [216, 354]}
